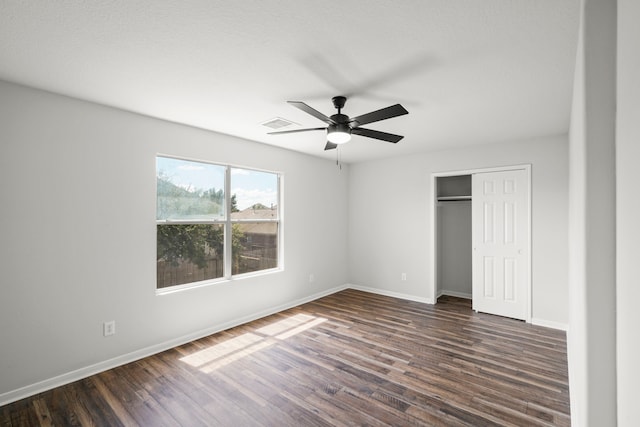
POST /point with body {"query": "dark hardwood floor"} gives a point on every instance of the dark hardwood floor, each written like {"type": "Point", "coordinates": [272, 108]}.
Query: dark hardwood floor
{"type": "Point", "coordinates": [351, 358]}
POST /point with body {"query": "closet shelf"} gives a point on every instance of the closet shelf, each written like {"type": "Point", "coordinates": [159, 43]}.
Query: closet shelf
{"type": "Point", "coordinates": [453, 198]}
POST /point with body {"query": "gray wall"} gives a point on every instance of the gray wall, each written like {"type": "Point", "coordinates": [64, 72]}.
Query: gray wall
{"type": "Point", "coordinates": [78, 237]}
{"type": "Point", "coordinates": [390, 220]}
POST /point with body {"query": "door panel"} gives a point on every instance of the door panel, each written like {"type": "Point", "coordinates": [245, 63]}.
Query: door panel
{"type": "Point", "coordinates": [500, 212]}
{"type": "Point", "coordinates": [489, 277]}
{"type": "Point", "coordinates": [489, 222]}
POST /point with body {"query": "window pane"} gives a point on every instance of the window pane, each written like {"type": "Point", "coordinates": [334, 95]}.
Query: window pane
{"type": "Point", "coordinates": [189, 191]}
{"type": "Point", "coordinates": [253, 189]}
{"type": "Point", "coordinates": [189, 253]}
{"type": "Point", "coordinates": [255, 246]}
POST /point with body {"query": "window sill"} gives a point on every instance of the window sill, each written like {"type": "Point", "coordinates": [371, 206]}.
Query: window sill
{"type": "Point", "coordinates": [218, 281]}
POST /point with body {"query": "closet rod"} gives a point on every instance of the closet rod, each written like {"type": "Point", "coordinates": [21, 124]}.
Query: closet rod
{"type": "Point", "coordinates": [453, 198]}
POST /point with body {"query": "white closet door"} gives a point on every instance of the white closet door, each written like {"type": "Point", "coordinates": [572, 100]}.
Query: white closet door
{"type": "Point", "coordinates": [500, 228]}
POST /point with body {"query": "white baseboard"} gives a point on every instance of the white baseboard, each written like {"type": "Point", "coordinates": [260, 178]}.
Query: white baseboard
{"type": "Point", "coordinates": [550, 324]}
{"type": "Point", "coordinates": [391, 294]}
{"type": "Point", "coordinates": [455, 294]}
{"type": "Point", "coordinates": [78, 374]}
{"type": "Point", "coordinates": [69, 377]}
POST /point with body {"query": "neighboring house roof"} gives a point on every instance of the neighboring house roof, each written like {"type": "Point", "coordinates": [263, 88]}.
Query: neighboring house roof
{"type": "Point", "coordinates": [251, 213]}
{"type": "Point", "coordinates": [248, 214]}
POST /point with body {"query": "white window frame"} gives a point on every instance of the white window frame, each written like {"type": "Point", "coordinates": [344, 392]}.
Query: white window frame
{"type": "Point", "coordinates": [228, 229]}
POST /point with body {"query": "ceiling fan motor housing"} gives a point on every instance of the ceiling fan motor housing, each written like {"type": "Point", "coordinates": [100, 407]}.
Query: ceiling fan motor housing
{"type": "Point", "coordinates": [340, 118]}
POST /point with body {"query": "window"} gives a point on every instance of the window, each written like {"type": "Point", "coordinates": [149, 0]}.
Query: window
{"type": "Point", "coordinates": [214, 221]}
{"type": "Point", "coordinates": [254, 219]}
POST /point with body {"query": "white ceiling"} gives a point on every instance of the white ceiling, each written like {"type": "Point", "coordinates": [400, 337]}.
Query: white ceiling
{"type": "Point", "coordinates": [468, 71]}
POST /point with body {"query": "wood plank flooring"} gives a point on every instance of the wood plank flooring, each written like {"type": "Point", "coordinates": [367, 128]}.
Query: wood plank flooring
{"type": "Point", "coordinates": [351, 358]}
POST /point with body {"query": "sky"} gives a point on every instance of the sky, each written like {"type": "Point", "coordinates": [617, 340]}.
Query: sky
{"type": "Point", "coordinates": [250, 187]}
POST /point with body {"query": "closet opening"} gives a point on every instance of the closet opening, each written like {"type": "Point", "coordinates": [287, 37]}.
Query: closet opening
{"type": "Point", "coordinates": [454, 263]}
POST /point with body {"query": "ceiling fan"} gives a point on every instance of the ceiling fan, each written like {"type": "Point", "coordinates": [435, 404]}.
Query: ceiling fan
{"type": "Point", "coordinates": [341, 127]}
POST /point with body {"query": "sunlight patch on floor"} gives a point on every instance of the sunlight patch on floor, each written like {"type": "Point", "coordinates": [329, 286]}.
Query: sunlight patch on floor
{"type": "Point", "coordinates": [280, 326]}
{"type": "Point", "coordinates": [221, 350]}
{"type": "Point", "coordinates": [226, 352]}
{"type": "Point", "coordinates": [301, 328]}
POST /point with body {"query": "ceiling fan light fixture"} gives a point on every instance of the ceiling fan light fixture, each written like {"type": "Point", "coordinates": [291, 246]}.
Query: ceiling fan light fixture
{"type": "Point", "coordinates": [339, 133]}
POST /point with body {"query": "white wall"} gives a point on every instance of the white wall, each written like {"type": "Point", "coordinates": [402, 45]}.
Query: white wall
{"type": "Point", "coordinates": [591, 335]}
{"type": "Point", "coordinates": [78, 236]}
{"type": "Point", "coordinates": [390, 219]}
{"type": "Point", "coordinates": [628, 211]}
{"type": "Point", "coordinates": [576, 336]}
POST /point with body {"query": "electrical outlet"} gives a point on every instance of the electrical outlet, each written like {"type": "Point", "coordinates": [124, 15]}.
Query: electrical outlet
{"type": "Point", "coordinates": [312, 278]}
{"type": "Point", "coordinates": [403, 277]}
{"type": "Point", "coordinates": [109, 328]}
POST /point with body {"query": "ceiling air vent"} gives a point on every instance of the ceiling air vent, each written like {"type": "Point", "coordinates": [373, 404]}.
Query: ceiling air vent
{"type": "Point", "coordinates": [277, 123]}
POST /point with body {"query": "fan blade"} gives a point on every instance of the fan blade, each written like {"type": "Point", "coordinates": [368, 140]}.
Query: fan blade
{"type": "Point", "coordinates": [315, 113]}
{"type": "Point", "coordinates": [389, 137]}
{"type": "Point", "coordinates": [383, 114]}
{"type": "Point", "coordinates": [330, 146]}
{"type": "Point", "coordinates": [294, 131]}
